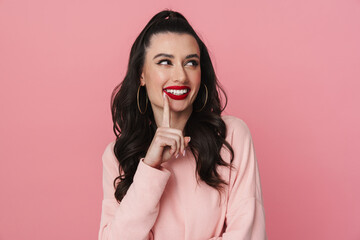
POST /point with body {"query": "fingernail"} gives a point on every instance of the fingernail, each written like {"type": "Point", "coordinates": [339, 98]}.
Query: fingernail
{"type": "Point", "coordinates": [177, 155]}
{"type": "Point", "coordinates": [184, 152]}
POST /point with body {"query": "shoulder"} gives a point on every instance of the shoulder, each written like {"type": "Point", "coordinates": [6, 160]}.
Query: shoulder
{"type": "Point", "coordinates": [236, 128]}
{"type": "Point", "coordinates": [108, 156]}
{"type": "Point", "coordinates": [109, 149]}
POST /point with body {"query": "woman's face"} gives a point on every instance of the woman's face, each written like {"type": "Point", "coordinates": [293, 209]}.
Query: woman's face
{"type": "Point", "coordinates": [172, 65]}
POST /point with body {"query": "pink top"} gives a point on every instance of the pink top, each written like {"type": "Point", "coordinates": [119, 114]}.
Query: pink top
{"type": "Point", "coordinates": [167, 203]}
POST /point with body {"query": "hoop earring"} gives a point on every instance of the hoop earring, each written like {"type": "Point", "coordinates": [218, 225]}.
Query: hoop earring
{"type": "Point", "coordinates": [206, 98]}
{"type": "Point", "coordinates": [138, 103]}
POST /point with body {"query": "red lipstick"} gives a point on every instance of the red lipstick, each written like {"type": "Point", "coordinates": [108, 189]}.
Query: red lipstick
{"type": "Point", "coordinates": [177, 92]}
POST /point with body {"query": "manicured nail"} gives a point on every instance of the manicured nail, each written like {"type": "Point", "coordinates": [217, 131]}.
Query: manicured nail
{"type": "Point", "coordinates": [184, 152]}
{"type": "Point", "coordinates": [177, 155]}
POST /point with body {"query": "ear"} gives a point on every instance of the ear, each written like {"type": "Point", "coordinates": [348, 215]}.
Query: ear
{"type": "Point", "coordinates": [142, 80]}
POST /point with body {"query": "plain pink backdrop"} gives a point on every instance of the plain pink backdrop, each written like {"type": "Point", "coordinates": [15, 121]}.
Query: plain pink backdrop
{"type": "Point", "coordinates": [291, 70]}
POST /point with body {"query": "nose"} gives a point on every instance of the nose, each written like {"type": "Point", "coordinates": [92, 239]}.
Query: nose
{"type": "Point", "coordinates": [179, 74]}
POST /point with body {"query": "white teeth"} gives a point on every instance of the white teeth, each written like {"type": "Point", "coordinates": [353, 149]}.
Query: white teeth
{"type": "Point", "coordinates": [177, 92]}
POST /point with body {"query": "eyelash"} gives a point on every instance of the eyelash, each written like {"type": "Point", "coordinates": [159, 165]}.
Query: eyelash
{"type": "Point", "coordinates": [195, 63]}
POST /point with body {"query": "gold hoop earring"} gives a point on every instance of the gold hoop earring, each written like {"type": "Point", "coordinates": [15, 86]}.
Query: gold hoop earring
{"type": "Point", "coordinates": [138, 103]}
{"type": "Point", "coordinates": [206, 98]}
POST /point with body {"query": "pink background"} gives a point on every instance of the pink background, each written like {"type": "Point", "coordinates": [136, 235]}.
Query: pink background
{"type": "Point", "coordinates": [291, 70]}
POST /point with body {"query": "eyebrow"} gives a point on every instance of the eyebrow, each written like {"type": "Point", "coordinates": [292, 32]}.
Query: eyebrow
{"type": "Point", "coordinates": [172, 56]}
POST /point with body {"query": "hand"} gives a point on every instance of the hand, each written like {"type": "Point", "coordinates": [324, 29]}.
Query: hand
{"type": "Point", "coordinates": [167, 141]}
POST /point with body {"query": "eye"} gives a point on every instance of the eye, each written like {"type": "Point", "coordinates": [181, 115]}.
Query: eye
{"type": "Point", "coordinates": [164, 61]}
{"type": "Point", "coordinates": [193, 63]}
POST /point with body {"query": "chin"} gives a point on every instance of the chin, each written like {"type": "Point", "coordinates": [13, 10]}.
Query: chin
{"type": "Point", "coordinates": [179, 109]}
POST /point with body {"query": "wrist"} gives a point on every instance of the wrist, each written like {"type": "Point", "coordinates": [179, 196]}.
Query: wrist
{"type": "Point", "coordinates": [151, 164]}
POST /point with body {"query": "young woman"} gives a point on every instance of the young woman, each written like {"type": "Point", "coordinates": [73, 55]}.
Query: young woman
{"type": "Point", "coordinates": [178, 169]}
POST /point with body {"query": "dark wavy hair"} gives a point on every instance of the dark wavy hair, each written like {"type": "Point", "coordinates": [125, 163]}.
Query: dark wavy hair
{"type": "Point", "coordinates": [134, 131]}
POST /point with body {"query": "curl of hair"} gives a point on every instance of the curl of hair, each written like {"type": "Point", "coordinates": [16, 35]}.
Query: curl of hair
{"type": "Point", "coordinates": [134, 131]}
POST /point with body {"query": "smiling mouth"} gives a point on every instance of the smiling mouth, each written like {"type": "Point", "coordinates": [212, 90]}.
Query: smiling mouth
{"type": "Point", "coordinates": [177, 92]}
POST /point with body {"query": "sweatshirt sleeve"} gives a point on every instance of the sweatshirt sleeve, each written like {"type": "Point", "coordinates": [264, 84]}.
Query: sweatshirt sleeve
{"type": "Point", "coordinates": [245, 217]}
{"type": "Point", "coordinates": [136, 214]}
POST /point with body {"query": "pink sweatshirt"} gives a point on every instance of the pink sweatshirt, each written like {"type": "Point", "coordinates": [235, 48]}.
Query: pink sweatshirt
{"type": "Point", "coordinates": [169, 204]}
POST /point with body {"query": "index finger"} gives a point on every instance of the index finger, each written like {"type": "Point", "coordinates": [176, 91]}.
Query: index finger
{"type": "Point", "coordinates": [166, 112]}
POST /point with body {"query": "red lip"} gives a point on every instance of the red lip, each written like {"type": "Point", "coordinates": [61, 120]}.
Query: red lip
{"type": "Point", "coordinates": [177, 97]}
{"type": "Point", "coordinates": [177, 87]}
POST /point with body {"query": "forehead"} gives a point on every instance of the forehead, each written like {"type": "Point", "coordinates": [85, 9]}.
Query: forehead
{"type": "Point", "coordinates": [172, 43]}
